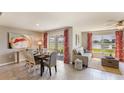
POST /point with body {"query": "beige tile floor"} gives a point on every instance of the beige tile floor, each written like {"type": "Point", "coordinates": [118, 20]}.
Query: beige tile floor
{"type": "Point", "coordinates": [65, 72]}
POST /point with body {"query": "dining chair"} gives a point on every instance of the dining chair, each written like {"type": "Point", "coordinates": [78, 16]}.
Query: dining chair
{"type": "Point", "coordinates": [40, 51]}
{"type": "Point", "coordinates": [45, 50]}
{"type": "Point", "coordinates": [25, 55]}
{"type": "Point", "coordinates": [51, 62]}
{"type": "Point", "coordinates": [31, 61]}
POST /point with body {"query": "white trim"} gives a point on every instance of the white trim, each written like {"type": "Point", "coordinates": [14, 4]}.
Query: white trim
{"type": "Point", "coordinates": [3, 64]}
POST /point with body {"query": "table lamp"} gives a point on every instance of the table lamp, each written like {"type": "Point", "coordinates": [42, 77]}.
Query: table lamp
{"type": "Point", "coordinates": [39, 44]}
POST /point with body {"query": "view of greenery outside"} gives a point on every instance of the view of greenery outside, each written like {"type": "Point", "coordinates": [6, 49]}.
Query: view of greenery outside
{"type": "Point", "coordinates": [60, 48]}
{"type": "Point", "coordinates": [57, 43]}
{"type": "Point", "coordinates": [104, 44]}
{"type": "Point", "coordinates": [106, 52]}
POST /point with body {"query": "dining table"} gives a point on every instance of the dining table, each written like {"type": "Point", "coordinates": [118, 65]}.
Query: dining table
{"type": "Point", "coordinates": [41, 58]}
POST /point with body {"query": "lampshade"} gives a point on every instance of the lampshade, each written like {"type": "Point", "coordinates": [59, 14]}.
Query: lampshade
{"type": "Point", "coordinates": [39, 43]}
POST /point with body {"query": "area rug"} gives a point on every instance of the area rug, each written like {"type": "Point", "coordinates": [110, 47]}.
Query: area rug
{"type": "Point", "coordinates": [96, 64]}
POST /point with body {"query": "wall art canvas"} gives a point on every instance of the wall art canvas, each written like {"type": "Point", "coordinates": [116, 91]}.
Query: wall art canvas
{"type": "Point", "coordinates": [16, 40]}
{"type": "Point", "coordinates": [77, 41]}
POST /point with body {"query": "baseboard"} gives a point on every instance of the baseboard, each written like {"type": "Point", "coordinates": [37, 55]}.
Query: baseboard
{"type": "Point", "coordinates": [3, 64]}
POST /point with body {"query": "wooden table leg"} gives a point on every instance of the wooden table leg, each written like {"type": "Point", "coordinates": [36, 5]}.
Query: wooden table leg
{"type": "Point", "coordinates": [41, 67]}
{"type": "Point", "coordinates": [17, 56]}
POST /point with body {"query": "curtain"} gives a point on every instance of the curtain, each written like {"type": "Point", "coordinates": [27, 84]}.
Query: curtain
{"type": "Point", "coordinates": [45, 39]}
{"type": "Point", "coordinates": [89, 40]}
{"type": "Point", "coordinates": [66, 46]}
{"type": "Point", "coordinates": [119, 45]}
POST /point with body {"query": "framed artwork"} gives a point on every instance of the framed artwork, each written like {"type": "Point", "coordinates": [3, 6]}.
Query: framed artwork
{"type": "Point", "coordinates": [16, 40]}
{"type": "Point", "coordinates": [77, 39]}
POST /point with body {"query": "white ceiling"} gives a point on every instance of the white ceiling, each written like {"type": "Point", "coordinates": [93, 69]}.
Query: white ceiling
{"type": "Point", "coordinates": [52, 20]}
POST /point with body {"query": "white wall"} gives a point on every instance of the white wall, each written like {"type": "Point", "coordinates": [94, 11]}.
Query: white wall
{"type": "Point", "coordinates": [84, 39]}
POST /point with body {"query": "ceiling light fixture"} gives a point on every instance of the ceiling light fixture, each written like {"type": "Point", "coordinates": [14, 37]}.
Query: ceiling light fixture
{"type": "Point", "coordinates": [37, 24]}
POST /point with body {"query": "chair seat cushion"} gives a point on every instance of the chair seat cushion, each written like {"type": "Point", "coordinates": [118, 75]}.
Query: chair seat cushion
{"type": "Point", "coordinates": [46, 62]}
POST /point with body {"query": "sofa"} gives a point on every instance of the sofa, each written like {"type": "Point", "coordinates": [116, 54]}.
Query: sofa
{"type": "Point", "coordinates": [82, 54]}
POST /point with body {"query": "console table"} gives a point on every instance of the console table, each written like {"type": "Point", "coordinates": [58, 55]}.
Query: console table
{"type": "Point", "coordinates": [17, 56]}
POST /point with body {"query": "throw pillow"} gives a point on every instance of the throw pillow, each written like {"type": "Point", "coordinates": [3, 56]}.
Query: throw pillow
{"type": "Point", "coordinates": [81, 49]}
{"type": "Point", "coordinates": [85, 51]}
{"type": "Point", "coordinates": [79, 53]}
{"type": "Point", "coordinates": [82, 52]}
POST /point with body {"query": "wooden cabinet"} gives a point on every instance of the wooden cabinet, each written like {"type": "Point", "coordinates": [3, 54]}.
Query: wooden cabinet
{"type": "Point", "coordinates": [110, 62]}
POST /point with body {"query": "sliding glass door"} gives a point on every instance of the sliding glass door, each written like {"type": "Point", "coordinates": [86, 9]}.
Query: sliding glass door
{"type": "Point", "coordinates": [57, 43]}
{"type": "Point", "coordinates": [60, 44]}
{"type": "Point", "coordinates": [52, 43]}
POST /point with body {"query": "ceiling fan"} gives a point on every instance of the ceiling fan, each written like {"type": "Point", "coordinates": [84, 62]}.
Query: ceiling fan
{"type": "Point", "coordinates": [120, 25]}
{"type": "Point", "coordinates": [115, 24]}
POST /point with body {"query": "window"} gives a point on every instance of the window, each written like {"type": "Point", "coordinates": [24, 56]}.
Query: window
{"type": "Point", "coordinates": [104, 44]}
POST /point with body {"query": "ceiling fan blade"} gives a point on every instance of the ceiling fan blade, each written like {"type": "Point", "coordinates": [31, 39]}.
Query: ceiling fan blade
{"type": "Point", "coordinates": [109, 24]}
